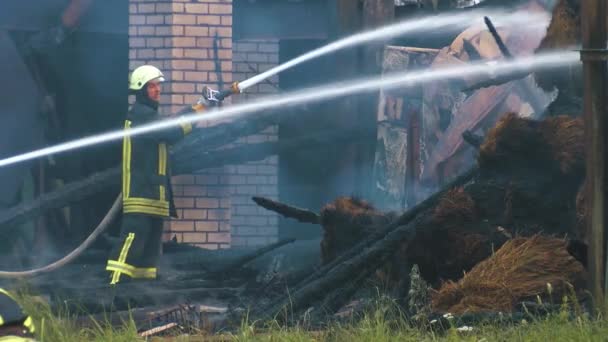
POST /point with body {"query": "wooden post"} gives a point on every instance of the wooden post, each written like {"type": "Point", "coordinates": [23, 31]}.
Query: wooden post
{"type": "Point", "coordinates": [376, 13]}
{"type": "Point", "coordinates": [593, 26]}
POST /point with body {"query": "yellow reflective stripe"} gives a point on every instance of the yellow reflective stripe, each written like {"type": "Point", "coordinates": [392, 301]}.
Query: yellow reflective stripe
{"type": "Point", "coordinates": [162, 167]}
{"type": "Point", "coordinates": [131, 271]}
{"type": "Point", "coordinates": [186, 128]}
{"type": "Point", "coordinates": [123, 256]}
{"type": "Point", "coordinates": [145, 210]}
{"type": "Point", "coordinates": [29, 324]}
{"type": "Point", "coordinates": [147, 202]}
{"type": "Point", "coordinates": [1, 320]}
{"type": "Point", "coordinates": [126, 163]}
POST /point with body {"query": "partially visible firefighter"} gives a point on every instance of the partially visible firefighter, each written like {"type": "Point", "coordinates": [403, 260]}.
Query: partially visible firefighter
{"type": "Point", "coordinates": [146, 180]}
{"type": "Point", "coordinates": [15, 325]}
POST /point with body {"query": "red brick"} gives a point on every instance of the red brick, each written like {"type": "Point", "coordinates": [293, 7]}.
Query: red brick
{"type": "Point", "coordinates": [218, 214]}
{"type": "Point", "coordinates": [207, 226]}
{"type": "Point", "coordinates": [220, 9]}
{"type": "Point", "coordinates": [205, 42]}
{"type": "Point", "coordinates": [218, 191]}
{"type": "Point", "coordinates": [163, 31]}
{"type": "Point", "coordinates": [177, 30]}
{"type": "Point", "coordinates": [224, 246]}
{"type": "Point", "coordinates": [225, 203]}
{"type": "Point", "coordinates": [177, 53]}
{"type": "Point", "coordinates": [196, 53]}
{"type": "Point", "coordinates": [137, 19]}
{"type": "Point", "coordinates": [181, 226]}
{"type": "Point", "coordinates": [224, 226]}
{"type": "Point", "coordinates": [184, 19]}
{"type": "Point", "coordinates": [145, 53]}
{"type": "Point", "coordinates": [207, 179]}
{"type": "Point", "coordinates": [177, 8]}
{"type": "Point", "coordinates": [205, 65]}
{"type": "Point", "coordinates": [208, 20]}
{"type": "Point", "coordinates": [132, 9]}
{"type": "Point", "coordinates": [198, 31]}
{"type": "Point", "coordinates": [164, 8]}
{"type": "Point", "coordinates": [192, 190]}
{"type": "Point", "coordinates": [224, 54]}
{"type": "Point", "coordinates": [155, 19]}
{"type": "Point", "coordinates": [183, 64]}
{"type": "Point", "coordinates": [184, 202]}
{"type": "Point", "coordinates": [145, 30]}
{"type": "Point", "coordinates": [226, 65]}
{"type": "Point", "coordinates": [191, 98]}
{"type": "Point", "coordinates": [178, 76]}
{"type": "Point", "coordinates": [136, 42]}
{"type": "Point", "coordinates": [221, 31]}
{"type": "Point", "coordinates": [227, 20]}
{"type": "Point", "coordinates": [218, 237]}
{"type": "Point", "coordinates": [146, 8]}
{"type": "Point", "coordinates": [226, 43]}
{"type": "Point", "coordinates": [196, 76]}
{"type": "Point", "coordinates": [154, 42]}
{"type": "Point", "coordinates": [194, 237]}
{"type": "Point", "coordinates": [184, 42]}
{"type": "Point", "coordinates": [183, 179]}
{"type": "Point", "coordinates": [195, 214]}
{"type": "Point", "coordinates": [182, 88]}
{"type": "Point", "coordinates": [197, 8]}
{"type": "Point", "coordinates": [207, 203]}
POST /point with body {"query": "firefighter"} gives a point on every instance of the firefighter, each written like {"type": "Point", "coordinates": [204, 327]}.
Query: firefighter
{"type": "Point", "coordinates": [146, 187]}
{"type": "Point", "coordinates": [15, 325]}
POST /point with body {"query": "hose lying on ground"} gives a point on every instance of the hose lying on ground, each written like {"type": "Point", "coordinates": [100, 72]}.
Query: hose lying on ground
{"type": "Point", "coordinates": [103, 225]}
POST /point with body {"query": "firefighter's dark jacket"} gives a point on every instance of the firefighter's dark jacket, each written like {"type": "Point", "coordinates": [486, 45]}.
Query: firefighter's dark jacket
{"type": "Point", "coordinates": [146, 173]}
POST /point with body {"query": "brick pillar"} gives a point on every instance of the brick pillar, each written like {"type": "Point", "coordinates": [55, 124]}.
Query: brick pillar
{"type": "Point", "coordinates": [178, 37]}
{"type": "Point", "coordinates": [214, 207]}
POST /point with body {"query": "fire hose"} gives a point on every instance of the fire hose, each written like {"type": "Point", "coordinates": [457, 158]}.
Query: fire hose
{"type": "Point", "coordinates": [210, 98]}
{"type": "Point", "coordinates": [103, 225]}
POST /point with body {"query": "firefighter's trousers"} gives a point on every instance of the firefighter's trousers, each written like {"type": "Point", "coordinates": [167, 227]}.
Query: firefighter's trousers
{"type": "Point", "coordinates": [138, 251]}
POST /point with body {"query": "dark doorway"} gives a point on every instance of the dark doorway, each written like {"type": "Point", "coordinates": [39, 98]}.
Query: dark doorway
{"type": "Point", "coordinates": [310, 178]}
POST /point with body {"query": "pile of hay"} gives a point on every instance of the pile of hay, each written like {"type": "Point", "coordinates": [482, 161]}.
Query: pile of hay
{"type": "Point", "coordinates": [454, 208]}
{"type": "Point", "coordinates": [563, 32]}
{"type": "Point", "coordinates": [519, 270]}
{"type": "Point", "coordinates": [345, 222]}
{"type": "Point", "coordinates": [553, 145]}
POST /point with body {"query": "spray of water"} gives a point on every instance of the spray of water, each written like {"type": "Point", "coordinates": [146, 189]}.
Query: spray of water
{"type": "Point", "coordinates": [430, 23]}
{"type": "Point", "coordinates": [395, 80]}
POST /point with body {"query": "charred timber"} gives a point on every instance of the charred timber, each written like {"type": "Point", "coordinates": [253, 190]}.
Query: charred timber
{"type": "Point", "coordinates": [312, 287]}
{"type": "Point", "coordinates": [252, 256]}
{"type": "Point", "coordinates": [286, 210]}
{"type": "Point", "coordinates": [204, 159]}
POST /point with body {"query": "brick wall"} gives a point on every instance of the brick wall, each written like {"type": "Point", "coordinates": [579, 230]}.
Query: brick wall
{"type": "Point", "coordinates": [214, 206]}
{"type": "Point", "coordinates": [253, 225]}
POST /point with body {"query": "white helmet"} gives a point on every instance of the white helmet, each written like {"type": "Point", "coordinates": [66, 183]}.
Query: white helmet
{"type": "Point", "coordinates": [143, 74]}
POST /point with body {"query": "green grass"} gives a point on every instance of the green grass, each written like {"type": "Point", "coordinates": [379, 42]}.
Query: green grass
{"type": "Point", "coordinates": [382, 322]}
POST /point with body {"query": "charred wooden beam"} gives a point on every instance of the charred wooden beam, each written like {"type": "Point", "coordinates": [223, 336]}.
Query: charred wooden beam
{"type": "Point", "coordinates": [252, 256]}
{"type": "Point", "coordinates": [286, 210]}
{"type": "Point", "coordinates": [367, 260]}
{"type": "Point", "coordinates": [69, 193]}
{"type": "Point", "coordinates": [361, 248]}
{"type": "Point", "coordinates": [200, 158]}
